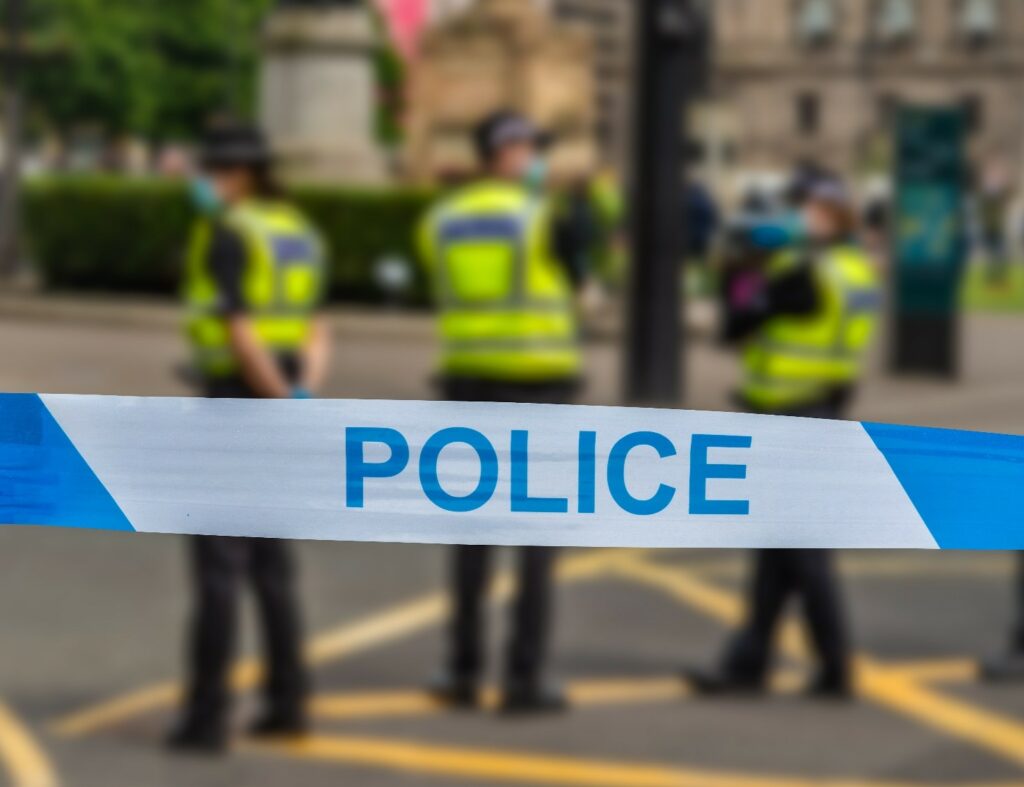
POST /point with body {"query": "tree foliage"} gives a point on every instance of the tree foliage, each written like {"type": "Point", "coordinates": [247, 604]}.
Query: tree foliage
{"type": "Point", "coordinates": [157, 68]}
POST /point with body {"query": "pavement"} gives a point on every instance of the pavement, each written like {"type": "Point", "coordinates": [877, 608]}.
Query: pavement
{"type": "Point", "coordinates": [92, 623]}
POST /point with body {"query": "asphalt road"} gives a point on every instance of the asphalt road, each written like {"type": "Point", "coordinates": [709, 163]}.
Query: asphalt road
{"type": "Point", "coordinates": [91, 643]}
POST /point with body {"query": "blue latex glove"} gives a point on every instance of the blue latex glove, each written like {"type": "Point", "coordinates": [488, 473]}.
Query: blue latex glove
{"type": "Point", "coordinates": [770, 237]}
{"type": "Point", "coordinates": [298, 392]}
{"type": "Point", "coordinates": [778, 233]}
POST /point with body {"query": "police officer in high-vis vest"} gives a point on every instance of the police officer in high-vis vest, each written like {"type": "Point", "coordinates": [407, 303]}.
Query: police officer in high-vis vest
{"type": "Point", "coordinates": [253, 283]}
{"type": "Point", "coordinates": [505, 293]}
{"type": "Point", "coordinates": [804, 333]}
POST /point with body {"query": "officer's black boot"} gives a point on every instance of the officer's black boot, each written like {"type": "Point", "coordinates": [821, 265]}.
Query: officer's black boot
{"type": "Point", "coordinates": [203, 727]}
{"type": "Point", "coordinates": [1008, 668]}
{"type": "Point", "coordinates": [831, 686]}
{"type": "Point", "coordinates": [526, 696]}
{"type": "Point", "coordinates": [192, 735]}
{"type": "Point", "coordinates": [274, 724]}
{"type": "Point", "coordinates": [455, 691]}
{"type": "Point", "coordinates": [716, 682]}
{"type": "Point", "coordinates": [744, 666]}
{"type": "Point", "coordinates": [747, 657]}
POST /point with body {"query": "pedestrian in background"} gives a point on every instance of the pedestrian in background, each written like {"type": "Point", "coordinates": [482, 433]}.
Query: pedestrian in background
{"type": "Point", "coordinates": [253, 284]}
{"type": "Point", "coordinates": [804, 332]}
{"type": "Point", "coordinates": [993, 208]}
{"type": "Point", "coordinates": [508, 328]}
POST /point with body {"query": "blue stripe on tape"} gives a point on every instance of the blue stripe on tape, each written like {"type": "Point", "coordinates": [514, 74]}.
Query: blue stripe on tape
{"type": "Point", "coordinates": [965, 485]}
{"type": "Point", "coordinates": [44, 480]}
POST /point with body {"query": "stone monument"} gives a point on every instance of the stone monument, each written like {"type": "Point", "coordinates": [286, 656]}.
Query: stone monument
{"type": "Point", "coordinates": [318, 91]}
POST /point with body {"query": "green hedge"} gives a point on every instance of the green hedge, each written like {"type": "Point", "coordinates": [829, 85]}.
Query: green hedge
{"type": "Point", "coordinates": [127, 235]}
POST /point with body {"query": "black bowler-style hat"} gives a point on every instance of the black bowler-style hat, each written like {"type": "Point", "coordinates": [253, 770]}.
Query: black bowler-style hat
{"type": "Point", "coordinates": [508, 127]}
{"type": "Point", "coordinates": [234, 145]}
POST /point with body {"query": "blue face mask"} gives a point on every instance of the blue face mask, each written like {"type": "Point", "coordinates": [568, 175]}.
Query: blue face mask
{"type": "Point", "coordinates": [795, 227]}
{"type": "Point", "coordinates": [536, 174]}
{"type": "Point", "coordinates": [204, 196]}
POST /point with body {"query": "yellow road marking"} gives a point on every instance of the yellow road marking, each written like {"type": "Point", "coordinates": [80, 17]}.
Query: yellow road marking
{"type": "Point", "coordinates": [370, 632]}
{"type": "Point", "coordinates": [113, 711]}
{"type": "Point", "coordinates": [348, 706]}
{"type": "Point", "coordinates": [989, 567]}
{"type": "Point", "coordinates": [985, 729]}
{"type": "Point", "coordinates": [368, 705]}
{"type": "Point", "coordinates": [511, 766]}
{"type": "Point", "coordinates": [374, 705]}
{"type": "Point", "coordinates": [887, 687]}
{"type": "Point", "coordinates": [25, 761]}
{"type": "Point", "coordinates": [937, 671]}
{"type": "Point", "coordinates": [616, 692]}
{"type": "Point", "coordinates": [896, 687]}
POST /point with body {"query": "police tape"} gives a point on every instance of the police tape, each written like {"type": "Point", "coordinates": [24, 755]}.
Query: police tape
{"type": "Point", "coordinates": [516, 474]}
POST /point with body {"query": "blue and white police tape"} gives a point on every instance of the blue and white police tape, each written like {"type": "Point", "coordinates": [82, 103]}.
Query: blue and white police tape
{"type": "Point", "coordinates": [436, 472]}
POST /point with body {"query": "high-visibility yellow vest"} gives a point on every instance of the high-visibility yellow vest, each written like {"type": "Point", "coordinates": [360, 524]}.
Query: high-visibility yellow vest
{"type": "Point", "coordinates": [799, 360]}
{"type": "Point", "coordinates": [506, 310]}
{"type": "Point", "coordinates": [282, 283]}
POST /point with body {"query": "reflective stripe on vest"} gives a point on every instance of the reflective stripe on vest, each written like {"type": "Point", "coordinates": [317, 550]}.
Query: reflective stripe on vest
{"type": "Point", "coordinates": [506, 308]}
{"type": "Point", "coordinates": [797, 360]}
{"type": "Point", "coordinates": [282, 283]}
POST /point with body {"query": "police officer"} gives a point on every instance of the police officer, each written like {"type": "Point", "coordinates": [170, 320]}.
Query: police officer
{"type": "Point", "coordinates": [805, 331]}
{"type": "Point", "coordinates": [253, 281]}
{"type": "Point", "coordinates": [509, 334]}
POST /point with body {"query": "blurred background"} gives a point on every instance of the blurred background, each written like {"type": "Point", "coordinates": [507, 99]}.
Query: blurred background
{"type": "Point", "coordinates": [680, 130]}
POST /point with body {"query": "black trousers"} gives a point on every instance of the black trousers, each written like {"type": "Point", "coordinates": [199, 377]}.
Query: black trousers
{"type": "Point", "coordinates": [1017, 636]}
{"type": "Point", "coordinates": [807, 575]}
{"type": "Point", "coordinates": [471, 565]}
{"type": "Point", "coordinates": [779, 575]}
{"type": "Point", "coordinates": [221, 566]}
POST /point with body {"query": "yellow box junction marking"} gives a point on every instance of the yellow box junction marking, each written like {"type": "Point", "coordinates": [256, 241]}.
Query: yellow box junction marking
{"type": "Point", "coordinates": [900, 688]}
{"type": "Point", "coordinates": [372, 631]}
{"type": "Point", "coordinates": [895, 690]}
{"type": "Point", "coordinates": [348, 706]}
{"type": "Point", "coordinates": [24, 760]}
{"type": "Point", "coordinates": [528, 767]}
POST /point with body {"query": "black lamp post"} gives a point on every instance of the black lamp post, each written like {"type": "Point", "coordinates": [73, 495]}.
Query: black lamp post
{"type": "Point", "coordinates": [10, 178]}
{"type": "Point", "coordinates": [671, 67]}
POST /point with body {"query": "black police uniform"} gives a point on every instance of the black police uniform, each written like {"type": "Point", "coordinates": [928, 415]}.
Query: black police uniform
{"type": "Point", "coordinates": [780, 575]}
{"type": "Point", "coordinates": [222, 564]}
{"type": "Point", "coordinates": [807, 575]}
{"type": "Point", "coordinates": [471, 567]}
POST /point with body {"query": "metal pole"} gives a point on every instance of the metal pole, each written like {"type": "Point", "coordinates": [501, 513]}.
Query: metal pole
{"type": "Point", "coordinates": [670, 54]}
{"type": "Point", "coordinates": [10, 180]}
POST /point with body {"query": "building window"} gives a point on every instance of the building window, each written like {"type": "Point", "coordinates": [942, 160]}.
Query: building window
{"type": "Point", "coordinates": [816, 21]}
{"type": "Point", "coordinates": [895, 21]}
{"type": "Point", "coordinates": [979, 20]}
{"type": "Point", "coordinates": [888, 105]}
{"type": "Point", "coordinates": [808, 113]}
{"type": "Point", "coordinates": [974, 113]}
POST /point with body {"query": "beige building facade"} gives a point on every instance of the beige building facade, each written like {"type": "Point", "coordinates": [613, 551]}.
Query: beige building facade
{"type": "Point", "coordinates": [610, 24]}
{"type": "Point", "coordinates": [792, 79]}
{"type": "Point", "coordinates": [496, 54]}
{"type": "Point", "coordinates": [819, 79]}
